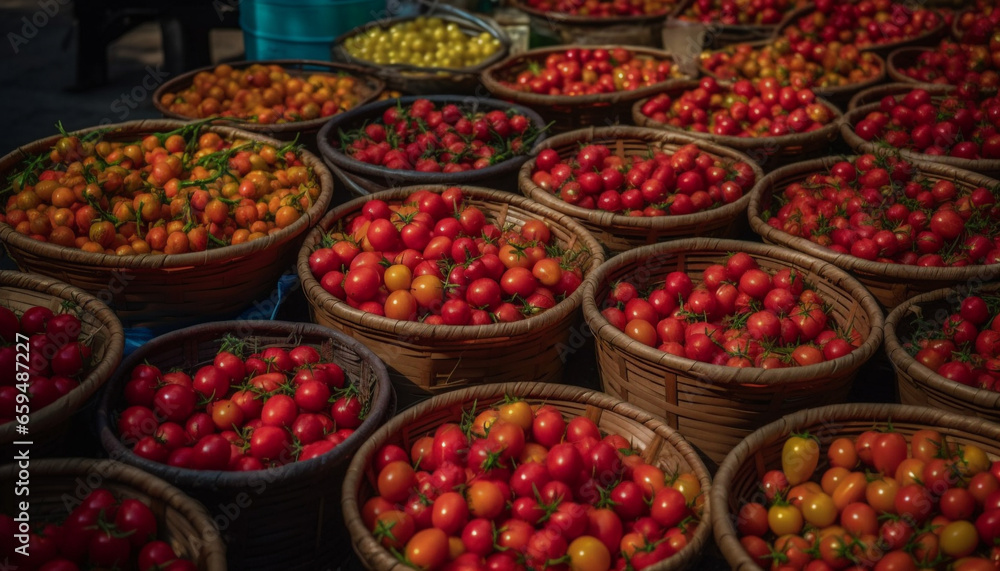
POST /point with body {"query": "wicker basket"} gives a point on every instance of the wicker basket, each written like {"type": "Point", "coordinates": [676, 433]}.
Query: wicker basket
{"type": "Point", "coordinates": [569, 112]}
{"type": "Point", "coordinates": [368, 90]}
{"type": "Point", "coordinates": [719, 35]}
{"type": "Point", "coordinates": [921, 386]}
{"type": "Point", "coordinates": [176, 289]}
{"type": "Point", "coordinates": [988, 167]}
{"type": "Point", "coordinates": [418, 80]}
{"type": "Point", "coordinates": [924, 39]}
{"type": "Point", "coordinates": [770, 152]}
{"type": "Point", "coordinates": [618, 232]}
{"type": "Point", "coordinates": [285, 517]}
{"type": "Point", "coordinates": [50, 427]}
{"type": "Point", "coordinates": [659, 445]}
{"type": "Point", "coordinates": [428, 359]}
{"type": "Point", "coordinates": [645, 30]}
{"type": "Point", "coordinates": [738, 479]}
{"type": "Point", "coordinates": [362, 179]}
{"type": "Point", "coordinates": [716, 406]}
{"type": "Point", "coordinates": [60, 484]}
{"type": "Point", "coordinates": [892, 284]}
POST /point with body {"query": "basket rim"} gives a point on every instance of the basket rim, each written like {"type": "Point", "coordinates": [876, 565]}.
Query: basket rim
{"type": "Point", "coordinates": [725, 533]}
{"type": "Point", "coordinates": [112, 443]}
{"type": "Point", "coordinates": [652, 136]}
{"type": "Point", "coordinates": [722, 374]}
{"type": "Point", "coordinates": [793, 17]}
{"type": "Point", "coordinates": [341, 160]}
{"type": "Point", "coordinates": [362, 538]}
{"type": "Point", "coordinates": [894, 56]}
{"type": "Point", "coordinates": [45, 418]}
{"type": "Point", "coordinates": [589, 21]}
{"type": "Point", "coordinates": [491, 78]}
{"type": "Point", "coordinates": [210, 543]}
{"type": "Point", "coordinates": [895, 88]}
{"type": "Point", "coordinates": [164, 261]}
{"type": "Point", "coordinates": [765, 188]}
{"type": "Point", "coordinates": [903, 361]}
{"type": "Point", "coordinates": [828, 131]}
{"type": "Point", "coordinates": [184, 80]}
{"type": "Point", "coordinates": [428, 333]}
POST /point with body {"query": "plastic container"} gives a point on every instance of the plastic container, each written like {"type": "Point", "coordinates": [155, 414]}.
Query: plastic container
{"type": "Point", "coordinates": [300, 29]}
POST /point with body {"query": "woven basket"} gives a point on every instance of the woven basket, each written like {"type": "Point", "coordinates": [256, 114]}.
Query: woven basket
{"type": "Point", "coordinates": [570, 112]}
{"type": "Point", "coordinates": [892, 284]}
{"type": "Point", "coordinates": [368, 90]}
{"type": "Point", "coordinates": [988, 167]}
{"type": "Point", "coordinates": [148, 290]}
{"type": "Point", "coordinates": [719, 35]}
{"type": "Point", "coordinates": [284, 517]}
{"type": "Point", "coordinates": [60, 484]}
{"type": "Point", "coordinates": [738, 479]}
{"type": "Point", "coordinates": [716, 406]}
{"type": "Point", "coordinates": [771, 152]}
{"type": "Point", "coordinates": [921, 386]}
{"type": "Point", "coordinates": [50, 427]}
{"type": "Point", "coordinates": [618, 232]}
{"type": "Point", "coordinates": [923, 39]}
{"type": "Point", "coordinates": [660, 446]}
{"type": "Point", "coordinates": [418, 80]}
{"type": "Point", "coordinates": [362, 179]}
{"type": "Point", "coordinates": [571, 29]}
{"type": "Point", "coordinates": [428, 359]}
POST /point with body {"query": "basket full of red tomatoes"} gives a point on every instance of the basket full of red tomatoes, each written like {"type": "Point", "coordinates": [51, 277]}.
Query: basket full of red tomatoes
{"type": "Point", "coordinates": [944, 347]}
{"type": "Point", "coordinates": [599, 22]}
{"type": "Point", "coordinates": [450, 285]}
{"type": "Point", "coordinates": [862, 486]}
{"type": "Point", "coordinates": [719, 337]}
{"type": "Point", "coordinates": [499, 476]}
{"type": "Point", "coordinates": [257, 420]}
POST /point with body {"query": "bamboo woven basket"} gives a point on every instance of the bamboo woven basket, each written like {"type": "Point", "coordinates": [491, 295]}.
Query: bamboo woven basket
{"type": "Point", "coordinates": [368, 90]}
{"type": "Point", "coordinates": [738, 479]}
{"type": "Point", "coordinates": [285, 517]}
{"type": "Point", "coordinates": [60, 484]}
{"type": "Point", "coordinates": [362, 179]}
{"type": "Point", "coordinates": [892, 284]}
{"type": "Point", "coordinates": [658, 443]}
{"type": "Point", "coordinates": [427, 359]}
{"type": "Point", "coordinates": [50, 427]}
{"type": "Point", "coordinates": [918, 385]}
{"type": "Point", "coordinates": [923, 39]}
{"type": "Point", "coordinates": [418, 80]}
{"type": "Point", "coordinates": [148, 290]}
{"type": "Point", "coordinates": [871, 98]}
{"type": "Point", "coordinates": [765, 151]}
{"type": "Point", "coordinates": [719, 35]}
{"type": "Point", "coordinates": [618, 232]}
{"type": "Point", "coordinates": [716, 406]}
{"type": "Point", "coordinates": [569, 112]}
{"type": "Point", "coordinates": [564, 28]}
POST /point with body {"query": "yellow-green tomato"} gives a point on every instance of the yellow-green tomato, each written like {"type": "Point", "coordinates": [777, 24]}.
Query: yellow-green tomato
{"type": "Point", "coordinates": [799, 458]}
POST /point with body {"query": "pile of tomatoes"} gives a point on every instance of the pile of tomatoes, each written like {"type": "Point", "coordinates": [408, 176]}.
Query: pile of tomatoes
{"type": "Point", "coordinates": [686, 181]}
{"type": "Point", "coordinates": [884, 210]}
{"type": "Point", "coordinates": [881, 503]}
{"type": "Point", "coordinates": [975, 66]}
{"type": "Point", "coordinates": [802, 65]}
{"type": "Point", "coordinates": [863, 24]}
{"type": "Point", "coordinates": [274, 407]}
{"type": "Point", "coordinates": [963, 347]}
{"type": "Point", "coordinates": [980, 24]}
{"type": "Point", "coordinates": [56, 355]}
{"type": "Point", "coordinates": [265, 94]}
{"type": "Point", "coordinates": [603, 8]}
{"type": "Point", "coordinates": [100, 532]}
{"type": "Point", "coordinates": [739, 315]}
{"type": "Point", "coordinates": [961, 124]}
{"type": "Point", "coordinates": [586, 71]}
{"type": "Point", "coordinates": [426, 137]}
{"type": "Point", "coordinates": [761, 108]}
{"type": "Point", "coordinates": [517, 486]}
{"type": "Point", "coordinates": [167, 193]}
{"type": "Point", "coordinates": [436, 258]}
{"type": "Point", "coordinates": [740, 12]}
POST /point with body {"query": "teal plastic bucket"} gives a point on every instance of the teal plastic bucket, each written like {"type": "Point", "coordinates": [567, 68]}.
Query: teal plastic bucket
{"type": "Point", "coordinates": [301, 29]}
